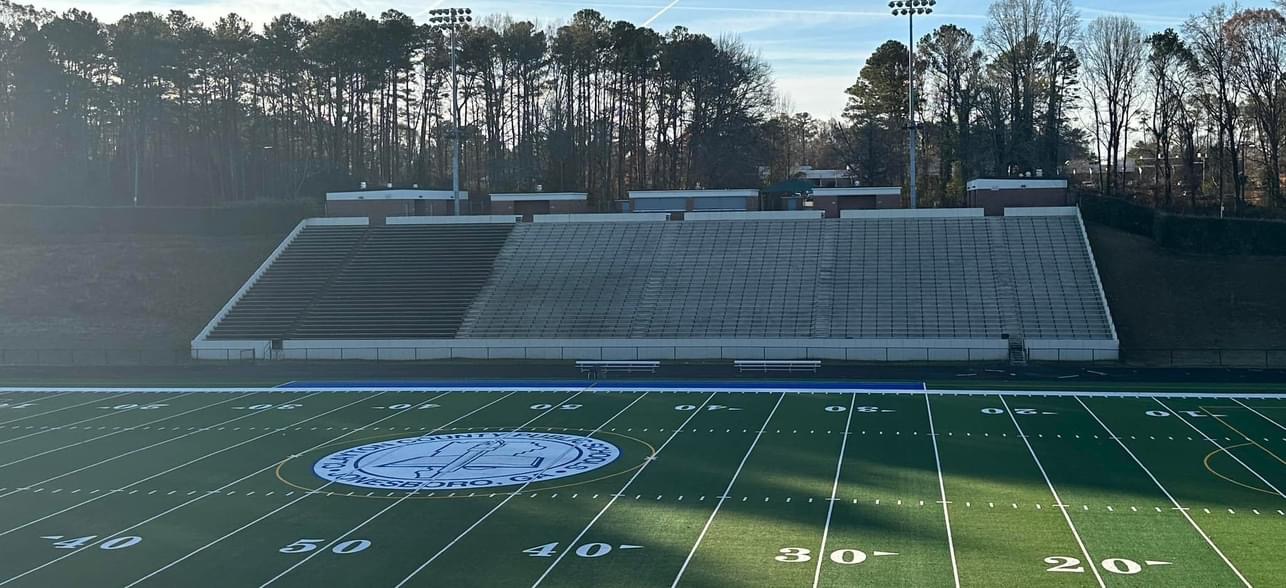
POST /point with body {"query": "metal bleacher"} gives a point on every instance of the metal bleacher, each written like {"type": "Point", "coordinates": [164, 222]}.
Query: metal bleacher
{"type": "Point", "coordinates": [568, 280]}
{"type": "Point", "coordinates": [882, 286]}
{"type": "Point", "coordinates": [383, 282]}
{"type": "Point", "coordinates": [915, 278]}
{"type": "Point", "coordinates": [281, 296]}
{"type": "Point", "coordinates": [1055, 290]}
{"type": "Point", "coordinates": [877, 278]}
{"type": "Point", "coordinates": [406, 282]}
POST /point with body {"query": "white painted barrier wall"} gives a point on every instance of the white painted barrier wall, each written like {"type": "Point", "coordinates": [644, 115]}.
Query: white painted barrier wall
{"type": "Point", "coordinates": [608, 217]}
{"type": "Point", "coordinates": [1043, 211]}
{"type": "Point", "coordinates": [475, 219]}
{"type": "Point", "coordinates": [912, 213]}
{"type": "Point", "coordinates": [754, 215]}
{"type": "Point", "coordinates": [874, 350]}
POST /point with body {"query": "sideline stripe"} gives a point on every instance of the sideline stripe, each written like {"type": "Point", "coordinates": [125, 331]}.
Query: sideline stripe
{"type": "Point", "coordinates": [830, 509]}
{"type": "Point", "coordinates": [1221, 447]}
{"type": "Point", "coordinates": [724, 496]}
{"type": "Point", "coordinates": [1173, 501]}
{"type": "Point", "coordinates": [1265, 417]}
{"type": "Point", "coordinates": [507, 499]}
{"type": "Point", "coordinates": [1062, 507]}
{"type": "Point", "coordinates": [202, 496]}
{"type": "Point", "coordinates": [942, 492]}
{"type": "Point", "coordinates": [133, 451]}
{"type": "Point", "coordinates": [620, 492]}
{"type": "Point", "coordinates": [327, 484]}
{"type": "Point", "coordinates": [695, 386]}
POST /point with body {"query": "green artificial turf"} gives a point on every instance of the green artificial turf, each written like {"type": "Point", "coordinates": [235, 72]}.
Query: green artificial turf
{"type": "Point", "coordinates": [709, 489]}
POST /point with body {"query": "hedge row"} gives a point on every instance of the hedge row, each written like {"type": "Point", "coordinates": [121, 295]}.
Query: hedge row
{"type": "Point", "coordinates": [1194, 234]}
{"type": "Point", "coordinates": [251, 219]}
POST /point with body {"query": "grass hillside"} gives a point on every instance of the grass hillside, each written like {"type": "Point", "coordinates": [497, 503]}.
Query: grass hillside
{"type": "Point", "coordinates": [1163, 299]}
{"type": "Point", "coordinates": [99, 290]}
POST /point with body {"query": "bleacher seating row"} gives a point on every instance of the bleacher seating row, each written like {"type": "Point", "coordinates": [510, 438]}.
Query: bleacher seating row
{"type": "Point", "coordinates": [386, 282]}
{"type": "Point", "coordinates": [859, 278]}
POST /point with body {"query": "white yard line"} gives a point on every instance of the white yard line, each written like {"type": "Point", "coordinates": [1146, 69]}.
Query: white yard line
{"type": "Point", "coordinates": [51, 411]}
{"type": "Point", "coordinates": [1262, 415]}
{"type": "Point", "coordinates": [1062, 507]}
{"type": "Point", "coordinates": [307, 494]}
{"type": "Point", "coordinates": [216, 490]}
{"type": "Point", "coordinates": [830, 508]}
{"type": "Point", "coordinates": [502, 502]}
{"type": "Point", "coordinates": [116, 432]}
{"type": "Point", "coordinates": [1177, 506]}
{"type": "Point", "coordinates": [621, 492]}
{"type": "Point", "coordinates": [724, 497]}
{"type": "Point", "coordinates": [1220, 446]}
{"type": "Point", "coordinates": [942, 493]}
{"type": "Point", "coordinates": [140, 481]}
{"type": "Point", "coordinates": [74, 423]}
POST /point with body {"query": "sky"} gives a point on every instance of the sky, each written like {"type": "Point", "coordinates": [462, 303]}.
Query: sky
{"type": "Point", "coordinates": [816, 47]}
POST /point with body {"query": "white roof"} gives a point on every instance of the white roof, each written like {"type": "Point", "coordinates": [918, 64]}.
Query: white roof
{"type": "Point", "coordinates": [537, 196]}
{"type": "Point", "coordinates": [1019, 184]}
{"type": "Point", "coordinates": [395, 195]}
{"type": "Point", "coordinates": [694, 193]}
{"type": "Point", "coordinates": [859, 191]}
{"type": "Point", "coordinates": [817, 174]}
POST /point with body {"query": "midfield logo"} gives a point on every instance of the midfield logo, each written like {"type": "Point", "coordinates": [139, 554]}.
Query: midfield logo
{"type": "Point", "coordinates": [465, 461]}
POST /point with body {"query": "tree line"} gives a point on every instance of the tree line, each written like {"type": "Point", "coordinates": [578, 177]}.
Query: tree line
{"type": "Point", "coordinates": [162, 109]}
{"type": "Point", "coordinates": [1189, 118]}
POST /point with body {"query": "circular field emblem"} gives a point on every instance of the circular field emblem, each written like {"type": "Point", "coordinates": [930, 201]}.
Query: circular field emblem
{"type": "Point", "coordinates": [465, 460]}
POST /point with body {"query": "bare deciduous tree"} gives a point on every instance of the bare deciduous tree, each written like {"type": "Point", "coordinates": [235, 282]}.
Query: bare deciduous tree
{"type": "Point", "coordinates": [1258, 42]}
{"type": "Point", "coordinates": [1219, 96]}
{"type": "Point", "coordinates": [1112, 53]}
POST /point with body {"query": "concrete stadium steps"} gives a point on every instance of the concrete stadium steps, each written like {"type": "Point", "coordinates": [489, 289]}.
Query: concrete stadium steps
{"type": "Point", "coordinates": [406, 282]}
{"type": "Point", "coordinates": [276, 301]}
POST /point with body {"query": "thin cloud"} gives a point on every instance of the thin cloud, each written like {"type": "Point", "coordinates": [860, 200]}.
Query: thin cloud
{"type": "Point", "coordinates": [1155, 19]}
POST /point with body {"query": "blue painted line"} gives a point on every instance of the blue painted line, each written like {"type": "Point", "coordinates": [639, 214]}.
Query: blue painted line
{"type": "Point", "coordinates": [604, 384]}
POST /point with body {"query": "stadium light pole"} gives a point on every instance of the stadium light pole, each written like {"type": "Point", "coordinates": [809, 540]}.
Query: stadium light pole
{"type": "Point", "coordinates": [910, 8]}
{"type": "Point", "coordinates": [451, 21]}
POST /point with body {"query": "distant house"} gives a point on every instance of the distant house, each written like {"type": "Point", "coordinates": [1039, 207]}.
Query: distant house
{"type": "Point", "coordinates": [995, 195]}
{"type": "Point", "coordinates": [695, 200]}
{"type": "Point", "coordinates": [529, 204]}
{"type": "Point", "coordinates": [384, 203]}
{"type": "Point", "coordinates": [832, 201]}
{"type": "Point", "coordinates": [825, 178]}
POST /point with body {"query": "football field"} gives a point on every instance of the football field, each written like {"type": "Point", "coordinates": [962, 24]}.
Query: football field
{"type": "Point", "coordinates": [592, 486]}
